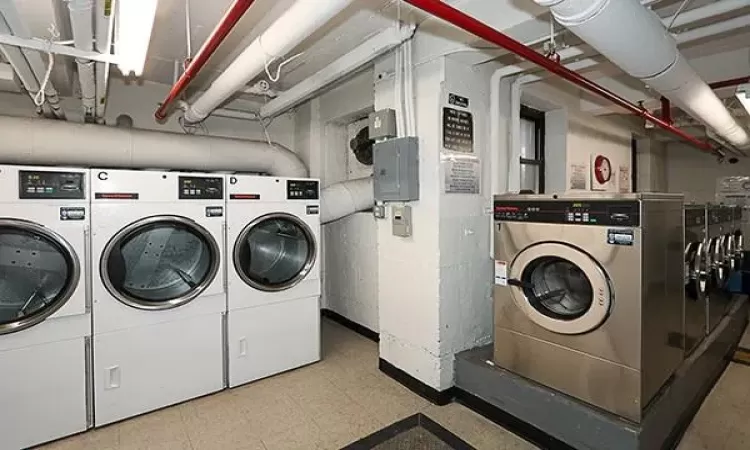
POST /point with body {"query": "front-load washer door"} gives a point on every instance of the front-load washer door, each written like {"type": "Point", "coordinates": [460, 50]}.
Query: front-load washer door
{"type": "Point", "coordinates": [274, 252]}
{"type": "Point", "coordinates": [39, 272]}
{"type": "Point", "coordinates": [159, 262]}
{"type": "Point", "coordinates": [717, 258]}
{"type": "Point", "coordinates": [560, 288]}
{"type": "Point", "coordinates": [696, 271]}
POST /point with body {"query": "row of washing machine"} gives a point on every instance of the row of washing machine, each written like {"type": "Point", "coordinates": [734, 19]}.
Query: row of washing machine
{"type": "Point", "coordinates": [714, 246]}
{"type": "Point", "coordinates": [598, 297]}
{"type": "Point", "coordinates": [125, 291]}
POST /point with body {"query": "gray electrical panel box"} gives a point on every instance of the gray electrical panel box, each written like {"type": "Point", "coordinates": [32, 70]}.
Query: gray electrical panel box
{"type": "Point", "coordinates": [396, 170]}
{"type": "Point", "coordinates": [382, 124]}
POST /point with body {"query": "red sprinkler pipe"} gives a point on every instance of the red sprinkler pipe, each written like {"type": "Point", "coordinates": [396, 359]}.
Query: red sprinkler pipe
{"type": "Point", "coordinates": [729, 83]}
{"type": "Point", "coordinates": [467, 23]}
{"type": "Point", "coordinates": [217, 36]}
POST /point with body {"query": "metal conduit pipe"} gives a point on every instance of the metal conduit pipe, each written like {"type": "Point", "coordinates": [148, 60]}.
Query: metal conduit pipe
{"type": "Point", "coordinates": [104, 27]}
{"type": "Point", "coordinates": [297, 23]}
{"type": "Point", "coordinates": [599, 23]}
{"type": "Point", "coordinates": [19, 63]}
{"type": "Point", "coordinates": [17, 27]}
{"type": "Point", "coordinates": [82, 23]}
{"type": "Point", "coordinates": [481, 30]}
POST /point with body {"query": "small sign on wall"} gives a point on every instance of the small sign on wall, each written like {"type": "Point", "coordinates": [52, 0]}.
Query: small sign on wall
{"type": "Point", "coordinates": [458, 130]}
{"type": "Point", "coordinates": [462, 174]}
{"type": "Point", "coordinates": [624, 179]}
{"type": "Point", "coordinates": [578, 177]}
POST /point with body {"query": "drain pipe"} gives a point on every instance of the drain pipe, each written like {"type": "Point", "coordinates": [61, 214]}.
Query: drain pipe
{"type": "Point", "coordinates": [343, 199]}
{"type": "Point", "coordinates": [481, 30]}
{"type": "Point", "coordinates": [600, 24]}
{"type": "Point", "coordinates": [82, 23]}
{"type": "Point", "coordinates": [298, 23]}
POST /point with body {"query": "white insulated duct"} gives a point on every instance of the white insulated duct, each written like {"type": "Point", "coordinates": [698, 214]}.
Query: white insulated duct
{"type": "Point", "coordinates": [82, 23]}
{"type": "Point", "coordinates": [297, 23]}
{"type": "Point", "coordinates": [50, 142]}
{"type": "Point", "coordinates": [342, 199]}
{"type": "Point", "coordinates": [634, 39]}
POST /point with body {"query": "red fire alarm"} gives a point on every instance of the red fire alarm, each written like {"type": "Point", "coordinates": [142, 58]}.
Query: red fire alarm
{"type": "Point", "coordinates": [602, 169]}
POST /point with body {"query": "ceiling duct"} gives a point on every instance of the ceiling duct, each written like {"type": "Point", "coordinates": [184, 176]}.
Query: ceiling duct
{"type": "Point", "coordinates": [634, 39]}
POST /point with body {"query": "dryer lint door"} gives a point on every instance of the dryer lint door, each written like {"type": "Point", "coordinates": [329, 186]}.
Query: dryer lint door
{"type": "Point", "coordinates": [160, 262]}
{"type": "Point", "coordinates": [275, 252]}
{"type": "Point", "coordinates": [39, 271]}
{"type": "Point", "coordinates": [560, 288]}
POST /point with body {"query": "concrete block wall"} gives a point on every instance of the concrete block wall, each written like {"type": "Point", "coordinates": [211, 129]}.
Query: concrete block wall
{"type": "Point", "coordinates": [324, 127]}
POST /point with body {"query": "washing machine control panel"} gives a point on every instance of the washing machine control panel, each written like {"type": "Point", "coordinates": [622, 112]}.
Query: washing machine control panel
{"type": "Point", "coordinates": [201, 188]}
{"type": "Point", "coordinates": [695, 217]}
{"type": "Point", "coordinates": [625, 213]}
{"type": "Point", "coordinates": [302, 190]}
{"type": "Point", "coordinates": [51, 185]}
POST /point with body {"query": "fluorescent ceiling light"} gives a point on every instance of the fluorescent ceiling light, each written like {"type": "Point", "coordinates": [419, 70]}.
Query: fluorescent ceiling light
{"type": "Point", "coordinates": [135, 20]}
{"type": "Point", "coordinates": [743, 95]}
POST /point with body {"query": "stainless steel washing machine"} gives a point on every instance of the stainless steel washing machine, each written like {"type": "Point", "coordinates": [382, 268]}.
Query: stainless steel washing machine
{"type": "Point", "coordinates": [719, 258]}
{"type": "Point", "coordinates": [589, 294]}
{"type": "Point", "coordinates": [696, 276]}
{"type": "Point", "coordinates": [738, 236]}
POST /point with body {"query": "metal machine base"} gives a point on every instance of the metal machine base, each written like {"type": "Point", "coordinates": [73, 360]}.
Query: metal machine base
{"type": "Point", "coordinates": [582, 426]}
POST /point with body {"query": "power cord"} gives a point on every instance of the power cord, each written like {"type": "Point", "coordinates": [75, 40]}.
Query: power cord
{"type": "Point", "coordinates": [41, 97]}
{"type": "Point", "coordinates": [268, 59]}
{"type": "Point", "coordinates": [682, 7]}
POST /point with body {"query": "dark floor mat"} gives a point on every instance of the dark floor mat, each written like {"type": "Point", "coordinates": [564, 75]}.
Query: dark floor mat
{"type": "Point", "coordinates": [742, 356]}
{"type": "Point", "coordinates": [417, 432]}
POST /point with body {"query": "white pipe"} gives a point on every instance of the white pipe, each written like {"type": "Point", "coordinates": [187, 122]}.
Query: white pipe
{"type": "Point", "coordinates": [345, 198]}
{"type": "Point", "coordinates": [104, 29]}
{"type": "Point", "coordinates": [686, 18]}
{"type": "Point", "coordinates": [298, 23]}
{"type": "Point", "coordinates": [225, 112]}
{"type": "Point", "coordinates": [51, 142]}
{"type": "Point", "coordinates": [411, 107]}
{"type": "Point", "coordinates": [17, 27]}
{"type": "Point", "coordinates": [82, 24]}
{"type": "Point", "coordinates": [398, 91]}
{"type": "Point", "coordinates": [337, 70]}
{"type": "Point", "coordinates": [19, 63]}
{"type": "Point", "coordinates": [648, 52]}
{"type": "Point", "coordinates": [514, 150]}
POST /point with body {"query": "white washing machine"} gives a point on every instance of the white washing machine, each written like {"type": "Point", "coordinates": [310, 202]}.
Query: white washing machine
{"type": "Point", "coordinates": [45, 325]}
{"type": "Point", "coordinates": [273, 234]}
{"type": "Point", "coordinates": [159, 291]}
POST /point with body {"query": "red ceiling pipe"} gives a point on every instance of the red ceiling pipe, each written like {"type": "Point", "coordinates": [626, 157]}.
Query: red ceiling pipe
{"type": "Point", "coordinates": [729, 83]}
{"type": "Point", "coordinates": [225, 25]}
{"type": "Point", "coordinates": [666, 110]}
{"type": "Point", "coordinates": [467, 23]}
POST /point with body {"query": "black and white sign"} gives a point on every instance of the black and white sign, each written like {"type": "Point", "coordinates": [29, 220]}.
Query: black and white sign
{"type": "Point", "coordinates": [458, 130]}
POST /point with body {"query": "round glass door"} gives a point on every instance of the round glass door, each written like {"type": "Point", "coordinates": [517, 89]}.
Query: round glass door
{"type": "Point", "coordinates": [695, 267]}
{"type": "Point", "coordinates": [275, 252]}
{"type": "Point", "coordinates": [560, 288]}
{"type": "Point", "coordinates": [39, 271]}
{"type": "Point", "coordinates": [718, 261]}
{"type": "Point", "coordinates": [739, 248]}
{"type": "Point", "coordinates": [160, 262]}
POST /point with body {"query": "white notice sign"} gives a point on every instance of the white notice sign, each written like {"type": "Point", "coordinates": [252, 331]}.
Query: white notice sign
{"type": "Point", "coordinates": [462, 175]}
{"type": "Point", "coordinates": [578, 176]}
{"type": "Point", "coordinates": [501, 273]}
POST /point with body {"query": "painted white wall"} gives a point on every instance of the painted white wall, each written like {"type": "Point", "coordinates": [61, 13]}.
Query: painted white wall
{"type": "Point", "coordinates": [573, 136]}
{"type": "Point", "coordinates": [695, 173]}
{"type": "Point", "coordinates": [324, 127]}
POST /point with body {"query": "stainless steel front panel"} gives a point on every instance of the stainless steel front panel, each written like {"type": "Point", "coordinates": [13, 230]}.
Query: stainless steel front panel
{"type": "Point", "coordinates": [620, 363]}
{"type": "Point", "coordinates": [696, 277]}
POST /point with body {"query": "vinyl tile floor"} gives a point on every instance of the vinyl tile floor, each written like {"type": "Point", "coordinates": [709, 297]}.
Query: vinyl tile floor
{"type": "Point", "coordinates": [344, 398]}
